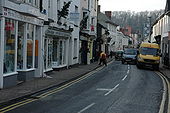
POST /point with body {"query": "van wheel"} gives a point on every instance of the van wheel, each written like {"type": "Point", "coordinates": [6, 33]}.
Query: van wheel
{"type": "Point", "coordinates": [123, 62]}
{"type": "Point", "coordinates": [138, 65]}
{"type": "Point", "coordinates": [156, 67]}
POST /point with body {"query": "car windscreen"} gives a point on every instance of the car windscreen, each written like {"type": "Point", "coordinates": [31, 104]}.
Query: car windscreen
{"type": "Point", "coordinates": [149, 51]}
{"type": "Point", "coordinates": [130, 51]}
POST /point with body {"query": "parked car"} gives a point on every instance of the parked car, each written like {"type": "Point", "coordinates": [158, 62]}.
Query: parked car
{"type": "Point", "coordinates": [118, 55]}
{"type": "Point", "coordinates": [129, 55]}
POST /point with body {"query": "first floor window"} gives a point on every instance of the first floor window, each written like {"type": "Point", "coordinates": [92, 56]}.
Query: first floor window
{"type": "Point", "coordinates": [9, 46]}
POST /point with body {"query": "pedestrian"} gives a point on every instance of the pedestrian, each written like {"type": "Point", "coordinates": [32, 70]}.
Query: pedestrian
{"type": "Point", "coordinates": [103, 58]}
{"type": "Point", "coordinates": [111, 54]}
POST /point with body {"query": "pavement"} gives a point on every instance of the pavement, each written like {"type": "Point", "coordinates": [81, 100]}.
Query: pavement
{"type": "Point", "coordinates": [165, 71]}
{"type": "Point", "coordinates": [53, 79]}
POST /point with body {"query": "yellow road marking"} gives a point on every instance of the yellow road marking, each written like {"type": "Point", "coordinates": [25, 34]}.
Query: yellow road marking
{"type": "Point", "coordinates": [162, 106]}
{"type": "Point", "coordinates": [16, 105]}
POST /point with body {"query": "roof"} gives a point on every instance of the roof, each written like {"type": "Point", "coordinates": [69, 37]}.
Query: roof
{"type": "Point", "coordinates": [103, 19]}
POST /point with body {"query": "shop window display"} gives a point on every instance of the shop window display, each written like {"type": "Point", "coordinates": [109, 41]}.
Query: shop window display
{"type": "Point", "coordinates": [30, 39]}
{"type": "Point", "coordinates": [45, 53]}
{"type": "Point", "coordinates": [55, 52]}
{"type": "Point", "coordinates": [9, 46]}
{"type": "Point", "coordinates": [64, 53]}
{"type": "Point", "coordinates": [60, 53]}
{"type": "Point", "coordinates": [50, 50]}
{"type": "Point", "coordinates": [20, 51]}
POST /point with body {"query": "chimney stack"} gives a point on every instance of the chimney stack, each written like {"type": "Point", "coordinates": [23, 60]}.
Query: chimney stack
{"type": "Point", "coordinates": [108, 14]}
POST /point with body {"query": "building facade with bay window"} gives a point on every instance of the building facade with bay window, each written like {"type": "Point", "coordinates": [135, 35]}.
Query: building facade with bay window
{"type": "Point", "coordinates": [21, 37]}
{"type": "Point", "coordinates": [56, 47]}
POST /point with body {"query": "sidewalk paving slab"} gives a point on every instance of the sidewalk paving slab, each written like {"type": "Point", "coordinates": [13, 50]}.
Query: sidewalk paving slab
{"type": "Point", "coordinates": [53, 79]}
{"type": "Point", "coordinates": [165, 71]}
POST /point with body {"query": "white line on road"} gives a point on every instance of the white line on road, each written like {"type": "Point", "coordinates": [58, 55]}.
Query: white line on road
{"type": "Point", "coordinates": [89, 106]}
{"type": "Point", "coordinates": [111, 90]}
{"type": "Point", "coordinates": [128, 67]}
{"type": "Point", "coordinates": [127, 71]}
{"type": "Point", "coordinates": [124, 78]}
{"type": "Point", "coordinates": [103, 89]}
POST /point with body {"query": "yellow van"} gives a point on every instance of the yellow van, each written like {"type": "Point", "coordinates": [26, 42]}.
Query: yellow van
{"type": "Point", "coordinates": [148, 55]}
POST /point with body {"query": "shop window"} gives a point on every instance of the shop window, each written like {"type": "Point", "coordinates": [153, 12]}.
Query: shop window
{"type": "Point", "coordinates": [9, 46]}
{"type": "Point", "coordinates": [20, 51]}
{"type": "Point", "coordinates": [45, 53]}
{"type": "Point", "coordinates": [50, 50]}
{"type": "Point", "coordinates": [75, 48]}
{"type": "Point", "coordinates": [55, 51]}
{"type": "Point", "coordinates": [64, 52]}
{"type": "Point", "coordinates": [30, 39]}
{"type": "Point", "coordinates": [60, 52]}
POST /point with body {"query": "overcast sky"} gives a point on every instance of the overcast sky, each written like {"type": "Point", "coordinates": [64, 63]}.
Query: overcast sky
{"type": "Point", "coordinates": [132, 5]}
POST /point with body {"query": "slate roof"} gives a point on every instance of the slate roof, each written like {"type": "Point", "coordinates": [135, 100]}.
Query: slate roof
{"type": "Point", "coordinates": [103, 20]}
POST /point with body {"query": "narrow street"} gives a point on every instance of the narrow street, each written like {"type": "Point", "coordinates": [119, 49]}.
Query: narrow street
{"type": "Point", "coordinates": [116, 88]}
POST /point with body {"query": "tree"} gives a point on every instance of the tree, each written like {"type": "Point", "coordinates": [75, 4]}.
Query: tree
{"type": "Point", "coordinates": [64, 12]}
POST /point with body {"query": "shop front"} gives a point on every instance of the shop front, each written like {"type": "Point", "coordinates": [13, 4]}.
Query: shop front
{"type": "Point", "coordinates": [18, 36]}
{"type": "Point", "coordinates": [60, 47]}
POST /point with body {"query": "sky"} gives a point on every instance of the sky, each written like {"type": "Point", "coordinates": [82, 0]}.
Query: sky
{"type": "Point", "coordinates": [132, 5]}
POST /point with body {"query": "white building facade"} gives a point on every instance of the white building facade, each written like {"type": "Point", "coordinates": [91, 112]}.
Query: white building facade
{"type": "Point", "coordinates": [21, 33]}
{"type": "Point", "coordinates": [161, 29]}
{"type": "Point", "coordinates": [88, 32]}
{"type": "Point", "coordinates": [61, 43]}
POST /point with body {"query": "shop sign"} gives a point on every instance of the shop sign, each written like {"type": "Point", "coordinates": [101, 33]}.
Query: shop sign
{"type": "Point", "coordinates": [57, 33]}
{"type": "Point", "coordinates": [74, 16]}
{"type": "Point", "coordinates": [18, 16]}
{"type": "Point", "coordinates": [9, 26]}
{"type": "Point", "coordinates": [83, 38]}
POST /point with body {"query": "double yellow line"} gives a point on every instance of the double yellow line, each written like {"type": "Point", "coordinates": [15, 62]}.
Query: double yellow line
{"type": "Point", "coordinates": [166, 92]}
{"type": "Point", "coordinates": [21, 103]}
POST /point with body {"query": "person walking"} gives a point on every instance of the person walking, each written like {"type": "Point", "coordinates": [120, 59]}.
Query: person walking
{"type": "Point", "coordinates": [111, 54]}
{"type": "Point", "coordinates": [103, 58]}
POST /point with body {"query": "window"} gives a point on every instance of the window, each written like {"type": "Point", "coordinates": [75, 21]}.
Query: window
{"type": "Point", "coordinates": [75, 47]}
{"type": "Point", "coordinates": [30, 2]}
{"type": "Point", "coordinates": [9, 46]}
{"type": "Point", "coordinates": [64, 52]}
{"type": "Point", "coordinates": [58, 5]}
{"type": "Point", "coordinates": [36, 3]}
{"type": "Point", "coordinates": [20, 52]}
{"type": "Point", "coordinates": [49, 3]}
{"type": "Point", "coordinates": [76, 9]}
{"type": "Point", "coordinates": [50, 50]}
{"type": "Point", "coordinates": [95, 5]}
{"type": "Point", "coordinates": [30, 39]}
{"type": "Point", "coordinates": [60, 52]}
{"type": "Point", "coordinates": [55, 50]}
